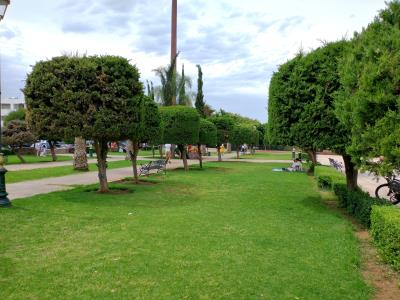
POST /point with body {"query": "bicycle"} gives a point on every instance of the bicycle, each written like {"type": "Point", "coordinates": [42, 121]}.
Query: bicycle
{"type": "Point", "coordinates": [389, 191]}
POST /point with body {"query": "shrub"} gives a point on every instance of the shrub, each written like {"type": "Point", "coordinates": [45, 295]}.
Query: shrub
{"type": "Point", "coordinates": [325, 182]}
{"type": "Point", "coordinates": [357, 203]}
{"type": "Point", "coordinates": [385, 230]}
{"type": "Point", "coordinates": [341, 192]}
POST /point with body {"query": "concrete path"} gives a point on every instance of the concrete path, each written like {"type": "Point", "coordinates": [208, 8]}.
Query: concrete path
{"type": "Point", "coordinates": [19, 167]}
{"type": "Point", "coordinates": [48, 185]}
{"type": "Point", "coordinates": [366, 181]}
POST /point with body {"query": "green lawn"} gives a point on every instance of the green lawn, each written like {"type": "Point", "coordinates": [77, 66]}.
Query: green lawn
{"type": "Point", "coordinates": [146, 153]}
{"type": "Point", "coordinates": [269, 155]}
{"type": "Point", "coordinates": [13, 159]}
{"type": "Point", "coordinates": [231, 231]}
{"type": "Point", "coordinates": [24, 175]}
{"type": "Point", "coordinates": [336, 176]}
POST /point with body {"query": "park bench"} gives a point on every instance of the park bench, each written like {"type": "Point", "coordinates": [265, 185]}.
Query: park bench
{"type": "Point", "coordinates": [336, 164]}
{"type": "Point", "coordinates": [157, 165]}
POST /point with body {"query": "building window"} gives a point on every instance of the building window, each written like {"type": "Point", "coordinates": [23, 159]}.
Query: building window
{"type": "Point", "coordinates": [5, 106]}
{"type": "Point", "coordinates": [18, 106]}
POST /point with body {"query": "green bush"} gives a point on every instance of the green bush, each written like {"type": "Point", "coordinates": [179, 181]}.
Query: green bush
{"type": "Point", "coordinates": [325, 182]}
{"type": "Point", "coordinates": [341, 192]}
{"type": "Point", "coordinates": [357, 203]}
{"type": "Point", "coordinates": [385, 230]}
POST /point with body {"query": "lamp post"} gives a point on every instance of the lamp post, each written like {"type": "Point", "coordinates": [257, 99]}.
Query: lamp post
{"type": "Point", "coordinates": [4, 201]}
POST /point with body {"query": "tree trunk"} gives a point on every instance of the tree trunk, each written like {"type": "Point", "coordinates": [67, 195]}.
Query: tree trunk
{"type": "Point", "coordinates": [53, 151]}
{"type": "Point", "coordinates": [101, 152]}
{"type": "Point", "coordinates": [80, 158]}
{"type": "Point", "coordinates": [173, 147]}
{"type": "Point", "coordinates": [160, 150]}
{"type": "Point", "coordinates": [133, 152]}
{"type": "Point", "coordinates": [313, 157]}
{"type": "Point", "coordinates": [351, 172]}
{"type": "Point", "coordinates": [184, 159]}
{"type": "Point", "coordinates": [200, 156]}
{"type": "Point", "coordinates": [18, 153]}
{"type": "Point", "coordinates": [153, 151]}
{"type": "Point", "coordinates": [237, 153]}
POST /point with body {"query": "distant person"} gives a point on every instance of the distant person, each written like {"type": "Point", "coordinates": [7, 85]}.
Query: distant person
{"type": "Point", "coordinates": [295, 167]}
{"type": "Point", "coordinates": [222, 149]}
{"type": "Point", "coordinates": [168, 153]}
{"type": "Point", "coordinates": [43, 151]}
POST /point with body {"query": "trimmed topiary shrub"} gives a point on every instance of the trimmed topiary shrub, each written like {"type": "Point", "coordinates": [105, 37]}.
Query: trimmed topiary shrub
{"type": "Point", "coordinates": [357, 203]}
{"type": "Point", "coordinates": [385, 230]}
{"type": "Point", "coordinates": [181, 125]}
{"type": "Point", "coordinates": [341, 192]}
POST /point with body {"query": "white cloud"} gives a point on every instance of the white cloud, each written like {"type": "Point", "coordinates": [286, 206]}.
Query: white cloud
{"type": "Point", "coordinates": [238, 43]}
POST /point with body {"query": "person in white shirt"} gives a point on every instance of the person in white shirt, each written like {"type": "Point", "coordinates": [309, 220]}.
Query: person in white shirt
{"type": "Point", "coordinates": [168, 153]}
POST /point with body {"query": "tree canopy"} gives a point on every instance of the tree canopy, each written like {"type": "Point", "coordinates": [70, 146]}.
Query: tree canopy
{"type": "Point", "coordinates": [15, 135]}
{"type": "Point", "coordinates": [181, 127]}
{"type": "Point", "coordinates": [92, 97]}
{"type": "Point", "coordinates": [207, 133]}
{"type": "Point", "coordinates": [15, 115]}
{"type": "Point", "coordinates": [369, 102]}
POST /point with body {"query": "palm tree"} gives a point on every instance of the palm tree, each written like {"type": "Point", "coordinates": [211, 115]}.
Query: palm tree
{"type": "Point", "coordinates": [173, 86]}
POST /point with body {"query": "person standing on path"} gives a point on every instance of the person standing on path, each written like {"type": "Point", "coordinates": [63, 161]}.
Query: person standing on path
{"type": "Point", "coordinates": [168, 153]}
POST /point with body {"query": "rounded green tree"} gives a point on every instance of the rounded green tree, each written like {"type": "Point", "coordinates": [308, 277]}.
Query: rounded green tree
{"type": "Point", "coordinates": [89, 97]}
{"type": "Point", "coordinates": [207, 137]}
{"type": "Point", "coordinates": [15, 135]}
{"type": "Point", "coordinates": [181, 127]}
{"type": "Point", "coordinates": [242, 134]}
{"type": "Point", "coordinates": [224, 124]}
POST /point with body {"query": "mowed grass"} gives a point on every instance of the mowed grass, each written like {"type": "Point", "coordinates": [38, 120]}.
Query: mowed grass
{"type": "Point", "coordinates": [30, 159]}
{"type": "Point", "coordinates": [230, 231]}
{"type": "Point", "coordinates": [25, 175]}
{"type": "Point", "coordinates": [336, 176]}
{"type": "Point", "coordinates": [269, 155]}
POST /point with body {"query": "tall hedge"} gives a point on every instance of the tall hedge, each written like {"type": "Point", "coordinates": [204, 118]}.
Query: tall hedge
{"type": "Point", "coordinates": [385, 229]}
{"type": "Point", "coordinates": [181, 126]}
{"type": "Point", "coordinates": [369, 101]}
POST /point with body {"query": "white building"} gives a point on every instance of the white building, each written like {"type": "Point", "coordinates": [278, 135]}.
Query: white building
{"type": "Point", "coordinates": [10, 104]}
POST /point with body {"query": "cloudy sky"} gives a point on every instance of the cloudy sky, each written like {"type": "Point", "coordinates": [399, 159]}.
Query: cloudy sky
{"type": "Point", "coordinates": [239, 44]}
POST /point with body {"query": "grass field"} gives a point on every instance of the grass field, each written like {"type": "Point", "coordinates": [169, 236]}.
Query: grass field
{"type": "Point", "coordinates": [269, 155]}
{"type": "Point", "coordinates": [336, 176]}
{"type": "Point", "coordinates": [13, 159]}
{"type": "Point", "coordinates": [24, 175]}
{"type": "Point", "coordinates": [231, 231]}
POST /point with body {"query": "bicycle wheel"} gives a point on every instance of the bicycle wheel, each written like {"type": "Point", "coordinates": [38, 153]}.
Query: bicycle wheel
{"type": "Point", "coordinates": [384, 192]}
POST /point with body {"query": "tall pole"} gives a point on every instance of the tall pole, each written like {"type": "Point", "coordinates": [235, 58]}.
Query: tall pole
{"type": "Point", "coordinates": [174, 21]}
{"type": "Point", "coordinates": [4, 201]}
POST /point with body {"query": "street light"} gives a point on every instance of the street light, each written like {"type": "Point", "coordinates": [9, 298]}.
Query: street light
{"type": "Point", "coordinates": [4, 201]}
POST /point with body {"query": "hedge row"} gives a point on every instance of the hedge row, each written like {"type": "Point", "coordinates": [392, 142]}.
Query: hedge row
{"type": "Point", "coordinates": [358, 203]}
{"type": "Point", "coordinates": [385, 230]}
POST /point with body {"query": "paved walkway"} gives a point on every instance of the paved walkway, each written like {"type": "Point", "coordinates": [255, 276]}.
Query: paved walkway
{"type": "Point", "coordinates": [367, 181]}
{"type": "Point", "coordinates": [43, 165]}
